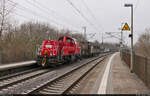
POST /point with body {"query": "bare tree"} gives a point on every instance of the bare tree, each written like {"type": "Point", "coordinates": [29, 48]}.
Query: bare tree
{"type": "Point", "coordinates": [20, 42]}
{"type": "Point", "coordinates": [5, 9]}
{"type": "Point", "coordinates": [143, 44]}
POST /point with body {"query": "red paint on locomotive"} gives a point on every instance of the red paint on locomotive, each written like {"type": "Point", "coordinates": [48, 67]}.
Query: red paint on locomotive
{"type": "Point", "coordinates": [66, 47]}
{"type": "Point", "coordinates": [49, 48]}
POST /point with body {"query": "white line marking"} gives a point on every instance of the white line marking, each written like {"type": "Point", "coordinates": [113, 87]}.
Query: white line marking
{"type": "Point", "coordinates": [103, 85]}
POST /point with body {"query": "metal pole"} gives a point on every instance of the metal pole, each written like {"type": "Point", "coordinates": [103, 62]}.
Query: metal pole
{"type": "Point", "coordinates": [102, 41]}
{"type": "Point", "coordinates": [84, 28]}
{"type": "Point", "coordinates": [121, 45]}
{"type": "Point", "coordinates": [132, 61]}
{"type": "Point", "coordinates": [102, 38]}
{"type": "Point", "coordinates": [121, 36]}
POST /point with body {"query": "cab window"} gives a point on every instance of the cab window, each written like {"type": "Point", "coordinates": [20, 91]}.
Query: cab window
{"type": "Point", "coordinates": [73, 42]}
{"type": "Point", "coordinates": [68, 40]}
{"type": "Point", "coordinates": [61, 39]}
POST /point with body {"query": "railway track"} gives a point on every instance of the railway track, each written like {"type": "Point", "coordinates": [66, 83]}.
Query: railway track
{"type": "Point", "coordinates": [20, 73]}
{"type": "Point", "coordinates": [47, 81]}
{"type": "Point", "coordinates": [64, 83]}
{"type": "Point", "coordinates": [15, 68]}
{"type": "Point", "coordinates": [12, 80]}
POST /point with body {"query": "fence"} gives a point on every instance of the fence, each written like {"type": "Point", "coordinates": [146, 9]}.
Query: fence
{"type": "Point", "coordinates": [141, 66]}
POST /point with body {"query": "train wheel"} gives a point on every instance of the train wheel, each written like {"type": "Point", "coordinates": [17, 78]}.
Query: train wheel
{"type": "Point", "coordinates": [72, 58]}
{"type": "Point", "coordinates": [44, 61]}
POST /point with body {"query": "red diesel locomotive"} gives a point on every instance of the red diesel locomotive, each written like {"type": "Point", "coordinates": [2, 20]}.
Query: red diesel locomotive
{"type": "Point", "coordinates": [52, 53]}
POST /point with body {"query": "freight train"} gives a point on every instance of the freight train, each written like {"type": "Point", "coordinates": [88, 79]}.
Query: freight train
{"type": "Point", "coordinates": [66, 49]}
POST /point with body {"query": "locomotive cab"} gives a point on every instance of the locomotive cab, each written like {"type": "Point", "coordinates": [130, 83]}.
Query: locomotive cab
{"type": "Point", "coordinates": [47, 52]}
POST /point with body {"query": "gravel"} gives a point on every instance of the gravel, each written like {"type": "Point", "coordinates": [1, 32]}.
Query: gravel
{"type": "Point", "coordinates": [28, 85]}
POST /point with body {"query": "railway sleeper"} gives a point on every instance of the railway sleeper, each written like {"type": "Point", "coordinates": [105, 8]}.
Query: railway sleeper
{"type": "Point", "coordinates": [59, 86]}
{"type": "Point", "coordinates": [54, 88]}
{"type": "Point", "coordinates": [53, 91]}
{"type": "Point", "coordinates": [45, 92]}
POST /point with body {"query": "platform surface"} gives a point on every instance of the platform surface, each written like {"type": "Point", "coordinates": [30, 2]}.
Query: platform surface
{"type": "Point", "coordinates": [18, 64]}
{"type": "Point", "coordinates": [120, 80]}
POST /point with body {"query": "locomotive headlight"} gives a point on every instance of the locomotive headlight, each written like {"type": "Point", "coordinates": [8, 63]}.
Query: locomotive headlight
{"type": "Point", "coordinates": [40, 53]}
{"type": "Point", "coordinates": [50, 53]}
{"type": "Point", "coordinates": [46, 52]}
{"type": "Point", "coordinates": [48, 46]}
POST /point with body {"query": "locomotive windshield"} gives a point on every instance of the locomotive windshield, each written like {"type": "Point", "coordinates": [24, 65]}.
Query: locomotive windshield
{"type": "Point", "coordinates": [61, 39]}
{"type": "Point", "coordinates": [68, 40]}
{"type": "Point", "coordinates": [73, 42]}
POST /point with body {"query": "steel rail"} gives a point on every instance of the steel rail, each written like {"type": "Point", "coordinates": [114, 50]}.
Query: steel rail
{"type": "Point", "coordinates": [59, 78]}
{"type": "Point", "coordinates": [13, 80]}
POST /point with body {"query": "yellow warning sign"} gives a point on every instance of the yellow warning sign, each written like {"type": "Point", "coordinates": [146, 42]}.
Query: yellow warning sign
{"type": "Point", "coordinates": [126, 27]}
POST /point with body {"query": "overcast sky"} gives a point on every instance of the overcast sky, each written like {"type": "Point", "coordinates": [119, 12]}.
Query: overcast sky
{"type": "Point", "coordinates": [105, 15]}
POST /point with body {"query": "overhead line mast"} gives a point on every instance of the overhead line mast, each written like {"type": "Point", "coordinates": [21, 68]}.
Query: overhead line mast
{"type": "Point", "coordinates": [93, 16]}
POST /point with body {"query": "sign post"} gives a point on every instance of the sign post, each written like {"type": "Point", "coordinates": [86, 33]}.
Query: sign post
{"type": "Point", "coordinates": [127, 28]}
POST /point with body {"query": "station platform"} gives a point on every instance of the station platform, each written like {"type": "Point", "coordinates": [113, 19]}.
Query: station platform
{"type": "Point", "coordinates": [117, 78]}
{"type": "Point", "coordinates": [16, 65]}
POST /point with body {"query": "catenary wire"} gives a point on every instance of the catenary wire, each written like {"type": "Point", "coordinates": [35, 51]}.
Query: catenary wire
{"type": "Point", "coordinates": [23, 8]}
